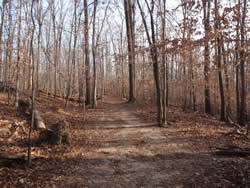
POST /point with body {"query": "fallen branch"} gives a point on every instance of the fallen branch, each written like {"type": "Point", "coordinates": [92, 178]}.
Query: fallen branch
{"type": "Point", "coordinates": [243, 131]}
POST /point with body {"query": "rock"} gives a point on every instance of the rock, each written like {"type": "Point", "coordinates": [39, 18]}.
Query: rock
{"type": "Point", "coordinates": [46, 136]}
{"type": "Point", "coordinates": [38, 121]}
{"type": "Point", "coordinates": [25, 105]}
{"type": "Point", "coordinates": [58, 134]}
{"type": "Point", "coordinates": [61, 130]}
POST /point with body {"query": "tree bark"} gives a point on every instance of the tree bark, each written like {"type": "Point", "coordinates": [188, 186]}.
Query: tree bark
{"type": "Point", "coordinates": [219, 58]}
{"type": "Point", "coordinates": [130, 22]}
{"type": "Point", "coordinates": [33, 84]}
{"type": "Point", "coordinates": [18, 53]}
{"type": "Point", "coordinates": [206, 17]}
{"type": "Point", "coordinates": [4, 3]}
{"type": "Point", "coordinates": [165, 67]}
{"type": "Point", "coordinates": [86, 47]}
{"type": "Point", "coordinates": [243, 106]}
{"type": "Point", "coordinates": [94, 50]}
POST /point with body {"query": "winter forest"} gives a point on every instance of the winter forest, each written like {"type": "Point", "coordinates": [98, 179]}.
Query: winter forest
{"type": "Point", "coordinates": [124, 93]}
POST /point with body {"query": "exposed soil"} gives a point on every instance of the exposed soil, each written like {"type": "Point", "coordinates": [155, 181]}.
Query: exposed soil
{"type": "Point", "coordinates": [120, 146]}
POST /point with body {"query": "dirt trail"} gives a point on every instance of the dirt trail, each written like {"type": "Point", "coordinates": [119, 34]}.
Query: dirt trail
{"type": "Point", "coordinates": [125, 151]}
{"type": "Point", "coordinates": [125, 154]}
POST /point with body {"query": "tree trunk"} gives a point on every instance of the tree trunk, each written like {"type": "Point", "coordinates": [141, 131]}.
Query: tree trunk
{"type": "Point", "coordinates": [219, 58]}
{"type": "Point", "coordinates": [39, 44]}
{"type": "Point", "coordinates": [94, 50]}
{"type": "Point", "coordinates": [33, 84]}
{"type": "Point", "coordinates": [237, 84]}
{"type": "Point", "coordinates": [165, 71]}
{"type": "Point", "coordinates": [55, 47]}
{"type": "Point", "coordinates": [4, 2]}
{"type": "Point", "coordinates": [68, 86]}
{"type": "Point", "coordinates": [86, 47]}
{"type": "Point", "coordinates": [18, 53]}
{"type": "Point", "coordinates": [130, 22]}
{"type": "Point", "coordinates": [228, 99]}
{"type": "Point", "coordinates": [206, 17]}
{"type": "Point", "coordinates": [9, 48]}
{"type": "Point", "coordinates": [243, 106]}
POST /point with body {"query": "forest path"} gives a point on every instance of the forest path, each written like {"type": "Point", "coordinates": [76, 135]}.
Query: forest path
{"type": "Point", "coordinates": [124, 150]}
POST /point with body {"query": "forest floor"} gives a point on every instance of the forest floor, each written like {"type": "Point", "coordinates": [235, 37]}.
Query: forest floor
{"type": "Point", "coordinates": [120, 146]}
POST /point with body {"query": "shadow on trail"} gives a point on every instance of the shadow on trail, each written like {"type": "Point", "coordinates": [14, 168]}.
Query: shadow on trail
{"type": "Point", "coordinates": [115, 124]}
{"type": "Point", "coordinates": [130, 170]}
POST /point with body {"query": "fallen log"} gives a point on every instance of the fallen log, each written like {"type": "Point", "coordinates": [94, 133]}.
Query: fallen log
{"type": "Point", "coordinates": [233, 151]}
{"type": "Point", "coordinates": [7, 159]}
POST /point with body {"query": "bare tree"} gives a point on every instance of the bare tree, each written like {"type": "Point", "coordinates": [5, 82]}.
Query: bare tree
{"type": "Point", "coordinates": [4, 3]}
{"type": "Point", "coordinates": [94, 101]}
{"type": "Point", "coordinates": [18, 53]}
{"type": "Point", "coordinates": [243, 105]}
{"type": "Point", "coordinates": [129, 8]}
{"type": "Point", "coordinates": [33, 82]}
{"type": "Point", "coordinates": [154, 56]}
{"type": "Point", "coordinates": [164, 63]}
{"type": "Point", "coordinates": [219, 61]}
{"type": "Point", "coordinates": [206, 22]}
{"type": "Point", "coordinates": [86, 47]}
